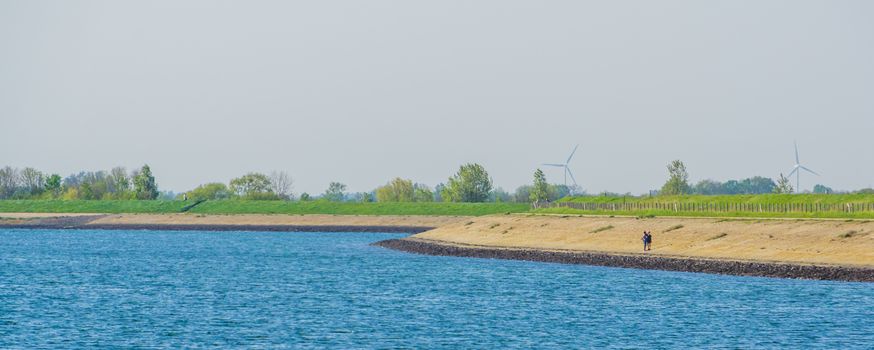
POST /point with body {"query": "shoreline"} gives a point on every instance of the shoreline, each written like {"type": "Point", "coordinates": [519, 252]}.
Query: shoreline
{"type": "Point", "coordinates": [95, 222]}
{"type": "Point", "coordinates": [784, 249]}
{"type": "Point", "coordinates": [218, 228]}
{"type": "Point", "coordinates": [678, 264]}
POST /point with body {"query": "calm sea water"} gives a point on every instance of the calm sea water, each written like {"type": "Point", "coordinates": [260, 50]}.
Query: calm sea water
{"type": "Point", "coordinates": [111, 289]}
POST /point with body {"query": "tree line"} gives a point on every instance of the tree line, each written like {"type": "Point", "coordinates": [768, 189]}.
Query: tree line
{"type": "Point", "coordinates": [471, 183]}
{"type": "Point", "coordinates": [117, 183]}
{"type": "Point", "coordinates": [678, 184]}
{"type": "Point", "coordinates": [251, 186]}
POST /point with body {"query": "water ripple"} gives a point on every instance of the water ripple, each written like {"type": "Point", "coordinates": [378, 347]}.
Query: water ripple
{"type": "Point", "coordinates": [144, 289]}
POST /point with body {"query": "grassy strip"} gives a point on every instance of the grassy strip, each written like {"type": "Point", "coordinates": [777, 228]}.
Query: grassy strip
{"type": "Point", "coordinates": [96, 206]}
{"type": "Point", "coordinates": [319, 207]}
{"type": "Point", "coordinates": [732, 199]}
{"type": "Point", "coordinates": [258, 207]}
{"type": "Point", "coordinates": [726, 214]}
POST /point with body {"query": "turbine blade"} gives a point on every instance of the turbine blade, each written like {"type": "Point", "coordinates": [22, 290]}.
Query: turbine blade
{"type": "Point", "coordinates": [796, 153]}
{"type": "Point", "coordinates": [792, 172]}
{"type": "Point", "coordinates": [572, 176]}
{"type": "Point", "coordinates": [572, 154]}
{"type": "Point", "coordinates": [808, 170]}
{"type": "Point", "coordinates": [550, 164]}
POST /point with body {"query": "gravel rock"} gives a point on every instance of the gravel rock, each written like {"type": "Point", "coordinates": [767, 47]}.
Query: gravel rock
{"type": "Point", "coordinates": [727, 267]}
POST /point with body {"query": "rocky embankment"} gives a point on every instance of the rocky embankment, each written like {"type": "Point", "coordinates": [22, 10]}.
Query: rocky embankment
{"type": "Point", "coordinates": [728, 267]}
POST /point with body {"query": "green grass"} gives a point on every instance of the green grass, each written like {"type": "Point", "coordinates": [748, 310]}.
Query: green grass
{"type": "Point", "coordinates": [472, 209]}
{"type": "Point", "coordinates": [748, 199]}
{"type": "Point", "coordinates": [726, 199]}
{"type": "Point", "coordinates": [259, 207]}
{"type": "Point", "coordinates": [96, 206]}
{"type": "Point", "coordinates": [321, 207]}
{"type": "Point", "coordinates": [643, 214]}
{"type": "Point", "coordinates": [765, 205]}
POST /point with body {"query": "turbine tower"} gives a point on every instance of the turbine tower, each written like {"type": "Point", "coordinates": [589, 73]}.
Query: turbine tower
{"type": "Point", "coordinates": [797, 170]}
{"type": "Point", "coordinates": [567, 171]}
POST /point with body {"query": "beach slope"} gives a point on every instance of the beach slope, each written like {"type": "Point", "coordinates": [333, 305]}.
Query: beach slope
{"type": "Point", "coordinates": [821, 249]}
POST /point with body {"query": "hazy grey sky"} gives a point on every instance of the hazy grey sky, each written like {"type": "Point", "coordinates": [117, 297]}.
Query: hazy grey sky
{"type": "Point", "coordinates": [363, 91]}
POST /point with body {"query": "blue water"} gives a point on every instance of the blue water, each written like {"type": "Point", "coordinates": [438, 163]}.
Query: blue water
{"type": "Point", "coordinates": [110, 289]}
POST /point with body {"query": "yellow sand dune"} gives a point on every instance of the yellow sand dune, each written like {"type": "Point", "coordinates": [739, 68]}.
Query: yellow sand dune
{"type": "Point", "coordinates": [838, 242]}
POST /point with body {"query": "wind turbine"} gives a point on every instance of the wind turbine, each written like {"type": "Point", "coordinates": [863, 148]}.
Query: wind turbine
{"type": "Point", "coordinates": [567, 171]}
{"type": "Point", "coordinates": [797, 170]}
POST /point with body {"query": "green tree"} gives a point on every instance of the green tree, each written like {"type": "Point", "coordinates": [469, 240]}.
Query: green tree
{"type": "Point", "coordinates": [336, 192]}
{"type": "Point", "coordinates": [422, 193]}
{"type": "Point", "coordinates": [753, 185]}
{"type": "Point", "coordinates": [540, 191]}
{"type": "Point", "coordinates": [280, 184]}
{"type": "Point", "coordinates": [708, 187]}
{"type": "Point", "coordinates": [757, 185]}
{"type": "Point", "coordinates": [144, 184]}
{"type": "Point", "coordinates": [253, 186]}
{"type": "Point", "coordinates": [364, 197]}
{"type": "Point", "coordinates": [499, 195]}
{"type": "Point", "coordinates": [397, 190]}
{"type": "Point", "coordinates": [211, 191]}
{"type": "Point", "coordinates": [32, 181]}
{"type": "Point", "coordinates": [438, 192]}
{"type": "Point", "coordinates": [822, 189]}
{"type": "Point", "coordinates": [85, 191]}
{"type": "Point", "coordinates": [470, 184]}
{"type": "Point", "coordinates": [94, 185]}
{"type": "Point", "coordinates": [53, 185]}
{"type": "Point", "coordinates": [731, 187]}
{"type": "Point", "coordinates": [678, 180]}
{"type": "Point", "coordinates": [557, 191]}
{"type": "Point", "coordinates": [120, 182]}
{"type": "Point", "coordinates": [305, 197]}
{"type": "Point", "coordinates": [784, 186]}
{"type": "Point", "coordinates": [8, 182]}
{"type": "Point", "coordinates": [522, 194]}
{"type": "Point", "coordinates": [70, 193]}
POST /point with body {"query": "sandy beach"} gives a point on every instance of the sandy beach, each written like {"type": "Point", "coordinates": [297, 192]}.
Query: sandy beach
{"type": "Point", "coordinates": [807, 249]}
{"type": "Point", "coordinates": [834, 242]}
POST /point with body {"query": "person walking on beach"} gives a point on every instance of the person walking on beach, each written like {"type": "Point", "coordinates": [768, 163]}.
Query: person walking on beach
{"type": "Point", "coordinates": [645, 240]}
{"type": "Point", "coordinates": [649, 240]}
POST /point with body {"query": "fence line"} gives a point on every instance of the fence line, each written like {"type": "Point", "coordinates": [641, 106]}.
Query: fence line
{"type": "Point", "coordinates": [712, 207]}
